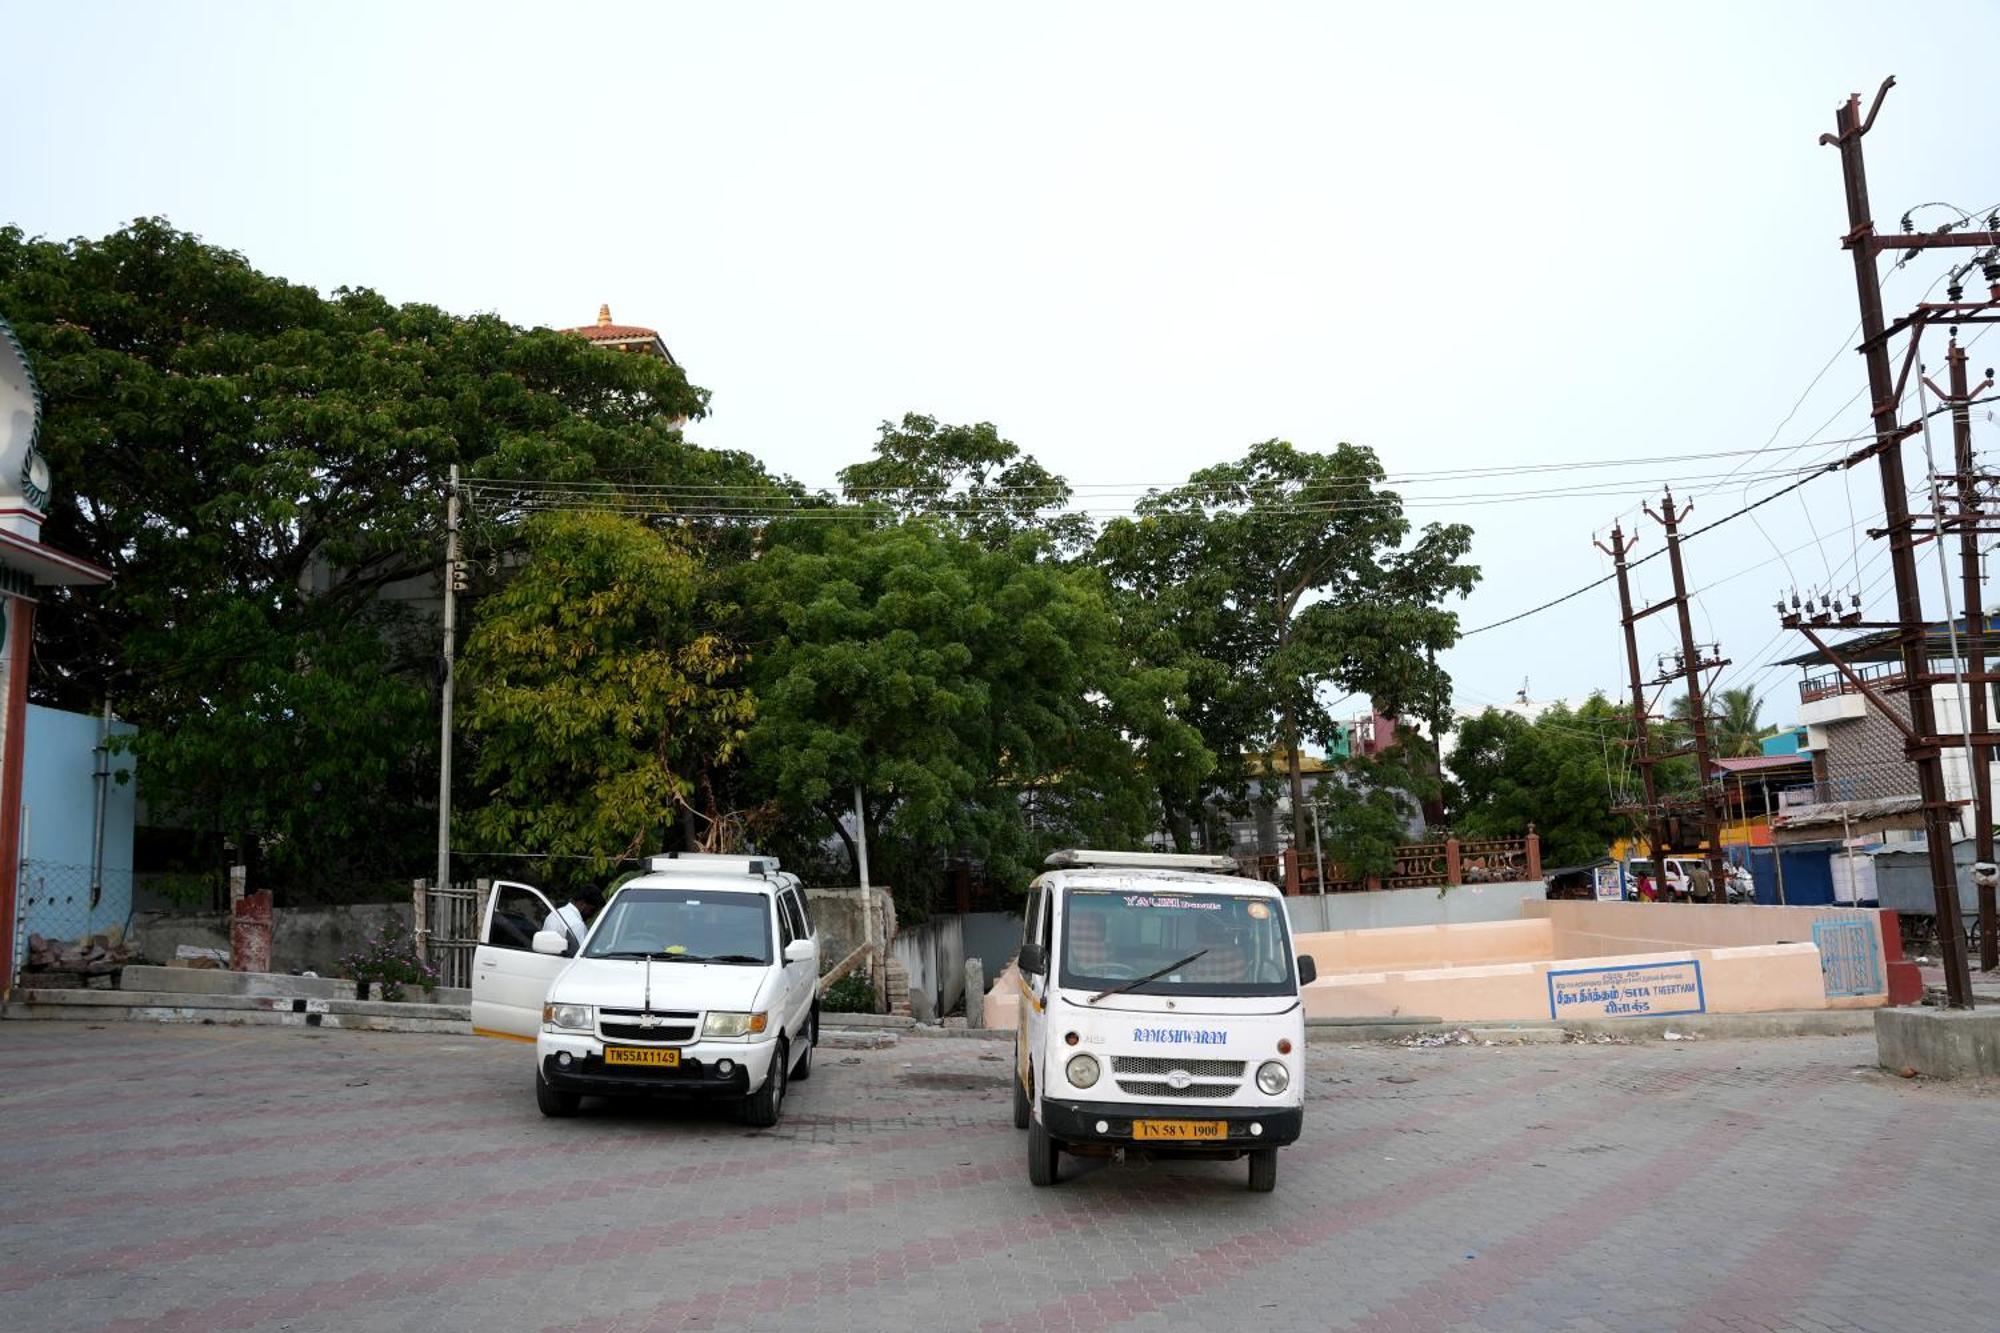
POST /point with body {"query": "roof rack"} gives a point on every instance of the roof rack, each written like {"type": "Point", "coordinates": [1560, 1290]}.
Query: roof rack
{"type": "Point", "coordinates": [1079, 858]}
{"type": "Point", "coordinates": [711, 863]}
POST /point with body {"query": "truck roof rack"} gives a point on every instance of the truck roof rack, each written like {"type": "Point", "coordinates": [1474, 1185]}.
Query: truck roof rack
{"type": "Point", "coordinates": [1080, 858]}
{"type": "Point", "coordinates": [711, 863]}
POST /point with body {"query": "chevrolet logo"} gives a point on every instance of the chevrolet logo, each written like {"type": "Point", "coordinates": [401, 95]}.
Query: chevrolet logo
{"type": "Point", "coordinates": [648, 1021]}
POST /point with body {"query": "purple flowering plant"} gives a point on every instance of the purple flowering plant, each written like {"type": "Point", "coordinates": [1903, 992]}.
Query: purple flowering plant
{"type": "Point", "coordinates": [390, 960]}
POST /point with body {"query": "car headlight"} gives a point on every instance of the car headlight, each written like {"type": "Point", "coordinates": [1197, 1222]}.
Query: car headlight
{"type": "Point", "coordinates": [1082, 1070]}
{"type": "Point", "coordinates": [568, 1017]}
{"type": "Point", "coordinates": [732, 1023]}
{"type": "Point", "coordinates": [1273, 1078]}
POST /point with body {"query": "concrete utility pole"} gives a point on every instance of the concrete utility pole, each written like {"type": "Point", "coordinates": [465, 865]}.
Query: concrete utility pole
{"type": "Point", "coordinates": [1980, 757]}
{"type": "Point", "coordinates": [454, 582]}
{"type": "Point", "coordinates": [1885, 394]}
{"type": "Point", "coordinates": [1691, 666]}
{"type": "Point", "coordinates": [1642, 747]}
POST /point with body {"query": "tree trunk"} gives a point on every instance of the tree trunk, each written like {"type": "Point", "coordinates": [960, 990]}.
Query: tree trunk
{"type": "Point", "coordinates": [1298, 781]}
{"type": "Point", "coordinates": [847, 840]}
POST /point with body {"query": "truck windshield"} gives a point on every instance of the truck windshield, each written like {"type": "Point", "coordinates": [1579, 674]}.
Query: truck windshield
{"type": "Point", "coordinates": [688, 925]}
{"type": "Point", "coordinates": [1113, 935]}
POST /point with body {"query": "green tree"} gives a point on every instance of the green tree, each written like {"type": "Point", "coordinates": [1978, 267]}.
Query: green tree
{"type": "Point", "coordinates": [599, 698]}
{"type": "Point", "coordinates": [977, 696]}
{"type": "Point", "coordinates": [261, 469]}
{"type": "Point", "coordinates": [1556, 773]}
{"type": "Point", "coordinates": [1278, 582]}
{"type": "Point", "coordinates": [968, 477]}
{"type": "Point", "coordinates": [1366, 806]}
{"type": "Point", "coordinates": [1736, 728]}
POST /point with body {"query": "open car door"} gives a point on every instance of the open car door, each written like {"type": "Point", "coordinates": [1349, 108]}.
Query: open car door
{"type": "Point", "coordinates": [509, 979]}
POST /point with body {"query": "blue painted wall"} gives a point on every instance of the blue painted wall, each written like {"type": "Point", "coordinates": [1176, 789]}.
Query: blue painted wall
{"type": "Point", "coordinates": [58, 795]}
{"type": "Point", "coordinates": [1785, 742]}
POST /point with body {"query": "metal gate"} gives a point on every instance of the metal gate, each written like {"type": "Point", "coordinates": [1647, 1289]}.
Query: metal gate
{"type": "Point", "coordinates": [447, 927]}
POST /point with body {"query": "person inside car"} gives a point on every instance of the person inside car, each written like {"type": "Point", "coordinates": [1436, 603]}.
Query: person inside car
{"type": "Point", "coordinates": [572, 920]}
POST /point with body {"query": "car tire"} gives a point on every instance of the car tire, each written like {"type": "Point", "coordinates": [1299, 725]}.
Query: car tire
{"type": "Point", "coordinates": [1044, 1156]}
{"type": "Point", "coordinates": [555, 1103]}
{"type": "Point", "coordinates": [802, 1068]}
{"type": "Point", "coordinates": [762, 1108]}
{"type": "Point", "coordinates": [1021, 1116]}
{"type": "Point", "coordinates": [1263, 1170]}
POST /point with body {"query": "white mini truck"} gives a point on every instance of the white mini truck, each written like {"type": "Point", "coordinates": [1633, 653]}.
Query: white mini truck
{"type": "Point", "coordinates": [1160, 1013]}
{"type": "Point", "coordinates": [699, 978]}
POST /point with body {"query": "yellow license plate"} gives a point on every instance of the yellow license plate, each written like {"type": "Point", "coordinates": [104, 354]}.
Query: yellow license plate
{"type": "Point", "coordinates": [640, 1055]}
{"type": "Point", "coordinates": [1180, 1129]}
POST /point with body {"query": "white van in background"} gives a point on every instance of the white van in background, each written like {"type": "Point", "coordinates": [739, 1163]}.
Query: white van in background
{"type": "Point", "coordinates": [699, 978]}
{"type": "Point", "coordinates": [1160, 1014]}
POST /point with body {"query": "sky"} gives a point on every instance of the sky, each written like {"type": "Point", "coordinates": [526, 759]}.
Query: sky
{"type": "Point", "coordinates": [1137, 238]}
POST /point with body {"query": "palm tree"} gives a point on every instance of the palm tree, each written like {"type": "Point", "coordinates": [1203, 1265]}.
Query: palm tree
{"type": "Point", "coordinates": [1739, 730]}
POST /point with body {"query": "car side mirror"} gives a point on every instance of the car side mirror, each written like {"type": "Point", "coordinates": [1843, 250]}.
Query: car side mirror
{"type": "Point", "coordinates": [1034, 960]}
{"type": "Point", "coordinates": [551, 942]}
{"type": "Point", "coordinates": [799, 951]}
{"type": "Point", "coordinates": [1308, 970]}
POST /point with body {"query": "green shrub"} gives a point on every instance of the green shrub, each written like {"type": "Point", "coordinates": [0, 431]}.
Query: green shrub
{"type": "Point", "coordinates": [852, 994]}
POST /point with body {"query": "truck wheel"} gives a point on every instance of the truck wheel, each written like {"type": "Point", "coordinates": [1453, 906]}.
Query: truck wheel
{"type": "Point", "coordinates": [1263, 1170]}
{"type": "Point", "coordinates": [761, 1108]}
{"type": "Point", "coordinates": [1021, 1116]}
{"type": "Point", "coordinates": [553, 1102]}
{"type": "Point", "coordinates": [1044, 1154]}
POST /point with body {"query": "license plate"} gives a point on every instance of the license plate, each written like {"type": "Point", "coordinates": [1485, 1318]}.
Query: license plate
{"type": "Point", "coordinates": [1180, 1129]}
{"type": "Point", "coordinates": [641, 1055]}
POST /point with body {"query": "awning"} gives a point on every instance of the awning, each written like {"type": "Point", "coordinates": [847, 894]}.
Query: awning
{"type": "Point", "coordinates": [48, 566]}
{"type": "Point", "coordinates": [1853, 819]}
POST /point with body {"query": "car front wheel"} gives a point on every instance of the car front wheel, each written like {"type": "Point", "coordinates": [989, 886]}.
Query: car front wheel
{"type": "Point", "coordinates": [554, 1102]}
{"type": "Point", "coordinates": [762, 1107]}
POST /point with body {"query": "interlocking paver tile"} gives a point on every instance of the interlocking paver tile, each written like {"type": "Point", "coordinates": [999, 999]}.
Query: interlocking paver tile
{"type": "Point", "coordinates": [197, 1179]}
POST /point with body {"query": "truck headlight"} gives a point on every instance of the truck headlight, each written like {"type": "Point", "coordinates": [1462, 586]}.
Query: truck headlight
{"type": "Point", "coordinates": [568, 1017]}
{"type": "Point", "coordinates": [1082, 1070]}
{"type": "Point", "coordinates": [733, 1023]}
{"type": "Point", "coordinates": [1273, 1078]}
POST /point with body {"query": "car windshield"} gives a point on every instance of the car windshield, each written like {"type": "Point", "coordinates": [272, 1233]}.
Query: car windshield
{"type": "Point", "coordinates": [1112, 936]}
{"type": "Point", "coordinates": [690, 925]}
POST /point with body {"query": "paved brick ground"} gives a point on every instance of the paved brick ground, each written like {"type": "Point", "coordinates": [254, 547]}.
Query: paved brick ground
{"type": "Point", "coordinates": [184, 1179]}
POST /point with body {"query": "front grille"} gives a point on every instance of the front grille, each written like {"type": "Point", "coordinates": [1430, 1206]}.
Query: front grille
{"type": "Point", "coordinates": [1139, 1087]}
{"type": "Point", "coordinates": [669, 1026]}
{"type": "Point", "coordinates": [1159, 1064]}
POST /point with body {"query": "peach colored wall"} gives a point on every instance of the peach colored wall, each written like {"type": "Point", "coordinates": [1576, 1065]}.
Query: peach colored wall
{"type": "Point", "coordinates": [1594, 930]}
{"type": "Point", "coordinates": [1399, 948]}
{"type": "Point", "coordinates": [1749, 979]}
{"type": "Point", "coordinates": [1002, 1009]}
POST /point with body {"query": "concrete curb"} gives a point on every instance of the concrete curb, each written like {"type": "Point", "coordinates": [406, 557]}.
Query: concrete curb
{"type": "Point", "coordinates": [99, 1006]}
{"type": "Point", "coordinates": [146, 978]}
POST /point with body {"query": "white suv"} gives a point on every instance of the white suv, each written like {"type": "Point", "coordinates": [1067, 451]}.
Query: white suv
{"type": "Point", "coordinates": [699, 978]}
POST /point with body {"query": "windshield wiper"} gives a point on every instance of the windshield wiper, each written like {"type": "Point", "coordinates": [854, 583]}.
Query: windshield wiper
{"type": "Point", "coordinates": [732, 958]}
{"type": "Point", "coordinates": [1150, 976]}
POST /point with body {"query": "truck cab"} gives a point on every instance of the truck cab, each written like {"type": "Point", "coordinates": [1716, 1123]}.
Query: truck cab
{"type": "Point", "coordinates": [1160, 1014]}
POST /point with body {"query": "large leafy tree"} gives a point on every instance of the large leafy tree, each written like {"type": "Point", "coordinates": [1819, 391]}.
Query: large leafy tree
{"type": "Point", "coordinates": [1737, 728]}
{"type": "Point", "coordinates": [1563, 772]}
{"type": "Point", "coordinates": [601, 699]}
{"type": "Point", "coordinates": [1277, 583]}
{"type": "Point", "coordinates": [967, 477]}
{"type": "Point", "coordinates": [261, 469]}
{"type": "Point", "coordinates": [976, 695]}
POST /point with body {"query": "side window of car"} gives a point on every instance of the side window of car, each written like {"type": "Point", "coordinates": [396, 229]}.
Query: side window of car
{"type": "Point", "coordinates": [805, 911]}
{"type": "Point", "coordinates": [794, 917]}
{"type": "Point", "coordinates": [784, 922]}
{"type": "Point", "coordinates": [1031, 927]}
{"type": "Point", "coordinates": [1048, 919]}
{"type": "Point", "coordinates": [517, 914]}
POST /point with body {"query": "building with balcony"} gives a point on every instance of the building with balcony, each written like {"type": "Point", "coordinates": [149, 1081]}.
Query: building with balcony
{"type": "Point", "coordinates": [1858, 754]}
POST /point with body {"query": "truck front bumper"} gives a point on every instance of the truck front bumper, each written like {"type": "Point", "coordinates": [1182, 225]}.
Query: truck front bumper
{"type": "Point", "coordinates": [706, 1069]}
{"type": "Point", "coordinates": [1244, 1127]}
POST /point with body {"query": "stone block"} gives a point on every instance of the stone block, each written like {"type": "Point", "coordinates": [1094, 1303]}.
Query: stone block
{"type": "Point", "coordinates": [1939, 1043]}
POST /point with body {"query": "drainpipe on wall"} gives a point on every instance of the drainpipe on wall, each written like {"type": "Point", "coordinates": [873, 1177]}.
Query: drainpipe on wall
{"type": "Point", "coordinates": [101, 779]}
